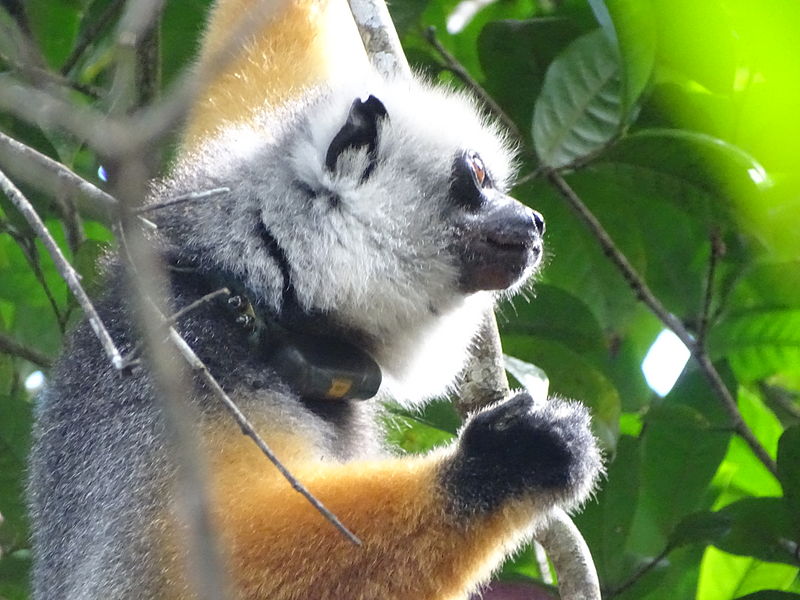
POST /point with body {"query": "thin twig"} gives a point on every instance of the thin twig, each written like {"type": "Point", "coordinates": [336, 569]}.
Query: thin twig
{"type": "Point", "coordinates": [643, 293]}
{"type": "Point", "coordinates": [641, 572]}
{"type": "Point", "coordinates": [247, 429]}
{"type": "Point", "coordinates": [9, 345]}
{"type": "Point", "coordinates": [38, 73]}
{"type": "Point", "coordinates": [50, 176]}
{"type": "Point", "coordinates": [88, 35]}
{"type": "Point", "coordinates": [717, 250]}
{"type": "Point", "coordinates": [34, 166]}
{"type": "Point", "coordinates": [137, 133]}
{"type": "Point", "coordinates": [190, 197]}
{"type": "Point", "coordinates": [452, 65]}
{"type": "Point", "coordinates": [31, 254]}
{"type": "Point", "coordinates": [69, 274]}
{"type": "Point", "coordinates": [131, 358]}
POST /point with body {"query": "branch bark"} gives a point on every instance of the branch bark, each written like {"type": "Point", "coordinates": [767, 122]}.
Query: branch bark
{"type": "Point", "coordinates": [645, 294]}
{"type": "Point", "coordinates": [9, 345]}
{"type": "Point", "coordinates": [71, 277]}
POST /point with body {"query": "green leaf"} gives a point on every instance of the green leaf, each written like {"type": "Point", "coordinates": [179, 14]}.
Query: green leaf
{"type": "Point", "coordinates": [631, 25]}
{"type": "Point", "coordinates": [761, 528]}
{"type": "Point", "coordinates": [770, 595]}
{"type": "Point", "coordinates": [15, 426]}
{"type": "Point", "coordinates": [606, 521]}
{"type": "Point", "coordinates": [700, 528]}
{"type": "Point", "coordinates": [759, 343]}
{"type": "Point", "coordinates": [515, 55]}
{"type": "Point", "coordinates": [557, 315]}
{"type": "Point", "coordinates": [741, 475]}
{"type": "Point", "coordinates": [14, 576]}
{"type": "Point", "coordinates": [421, 430]}
{"type": "Point", "coordinates": [580, 107]}
{"type": "Point", "coordinates": [682, 450]}
{"type": "Point", "coordinates": [722, 169]}
{"type": "Point", "coordinates": [55, 25]}
{"type": "Point", "coordinates": [724, 576]}
{"type": "Point", "coordinates": [789, 471]}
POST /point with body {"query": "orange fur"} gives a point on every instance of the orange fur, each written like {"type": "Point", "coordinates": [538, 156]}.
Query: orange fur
{"type": "Point", "coordinates": [282, 549]}
{"type": "Point", "coordinates": [308, 42]}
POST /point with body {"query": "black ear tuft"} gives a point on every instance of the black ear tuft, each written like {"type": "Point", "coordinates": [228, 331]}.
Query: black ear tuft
{"type": "Point", "coordinates": [360, 129]}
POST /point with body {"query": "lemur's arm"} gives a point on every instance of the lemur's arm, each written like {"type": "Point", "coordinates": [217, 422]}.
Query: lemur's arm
{"type": "Point", "coordinates": [432, 526]}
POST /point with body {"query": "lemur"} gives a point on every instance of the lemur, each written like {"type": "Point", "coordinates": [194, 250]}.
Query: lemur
{"type": "Point", "coordinates": [366, 229]}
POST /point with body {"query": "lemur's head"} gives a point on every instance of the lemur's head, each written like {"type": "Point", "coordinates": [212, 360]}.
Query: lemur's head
{"type": "Point", "coordinates": [388, 205]}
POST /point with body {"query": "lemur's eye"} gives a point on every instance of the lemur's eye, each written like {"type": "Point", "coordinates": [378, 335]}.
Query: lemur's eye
{"type": "Point", "coordinates": [469, 180]}
{"type": "Point", "coordinates": [479, 172]}
{"type": "Point", "coordinates": [478, 169]}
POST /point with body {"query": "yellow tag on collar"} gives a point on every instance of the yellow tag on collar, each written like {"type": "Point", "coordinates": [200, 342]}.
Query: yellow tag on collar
{"type": "Point", "coordinates": [339, 388]}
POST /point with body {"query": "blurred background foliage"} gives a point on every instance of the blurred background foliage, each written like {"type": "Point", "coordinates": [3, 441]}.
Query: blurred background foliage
{"type": "Point", "coordinates": [677, 123]}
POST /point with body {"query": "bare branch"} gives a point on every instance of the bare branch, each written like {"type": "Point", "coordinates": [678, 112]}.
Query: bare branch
{"type": "Point", "coordinates": [137, 133]}
{"type": "Point", "coordinates": [247, 429]}
{"type": "Point", "coordinates": [89, 35]}
{"type": "Point", "coordinates": [50, 176]}
{"type": "Point", "coordinates": [64, 268]}
{"type": "Point", "coordinates": [717, 250]}
{"type": "Point", "coordinates": [577, 576]}
{"type": "Point", "coordinates": [461, 72]}
{"type": "Point", "coordinates": [39, 74]}
{"type": "Point", "coordinates": [9, 345]}
{"type": "Point", "coordinates": [190, 197]}
{"type": "Point", "coordinates": [380, 37]}
{"type": "Point", "coordinates": [643, 293]}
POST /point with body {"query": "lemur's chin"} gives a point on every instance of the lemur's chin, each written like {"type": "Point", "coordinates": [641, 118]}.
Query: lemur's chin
{"type": "Point", "coordinates": [492, 267]}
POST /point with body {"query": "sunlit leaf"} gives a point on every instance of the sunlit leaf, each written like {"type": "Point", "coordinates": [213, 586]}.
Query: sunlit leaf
{"type": "Point", "coordinates": [631, 25]}
{"type": "Point", "coordinates": [759, 343]}
{"type": "Point", "coordinates": [724, 576]}
{"type": "Point", "coordinates": [580, 107]}
{"type": "Point", "coordinates": [759, 527]}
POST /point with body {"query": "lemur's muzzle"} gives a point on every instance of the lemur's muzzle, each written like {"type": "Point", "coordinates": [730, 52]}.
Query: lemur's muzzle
{"type": "Point", "coordinates": [503, 244]}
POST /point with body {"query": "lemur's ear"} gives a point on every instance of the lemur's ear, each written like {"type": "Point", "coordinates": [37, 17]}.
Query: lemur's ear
{"type": "Point", "coordinates": [360, 129]}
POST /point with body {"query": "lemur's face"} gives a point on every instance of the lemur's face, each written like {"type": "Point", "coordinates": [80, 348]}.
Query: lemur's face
{"type": "Point", "coordinates": [436, 203]}
{"type": "Point", "coordinates": [500, 240]}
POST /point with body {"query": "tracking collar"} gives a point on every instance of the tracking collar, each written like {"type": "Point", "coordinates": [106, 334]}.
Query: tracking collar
{"type": "Point", "coordinates": [317, 367]}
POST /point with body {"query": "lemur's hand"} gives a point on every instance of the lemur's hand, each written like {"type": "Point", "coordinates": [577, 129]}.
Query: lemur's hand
{"type": "Point", "coordinates": [515, 448]}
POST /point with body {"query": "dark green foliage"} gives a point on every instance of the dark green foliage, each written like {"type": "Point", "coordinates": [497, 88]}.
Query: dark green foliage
{"type": "Point", "coordinates": [676, 123]}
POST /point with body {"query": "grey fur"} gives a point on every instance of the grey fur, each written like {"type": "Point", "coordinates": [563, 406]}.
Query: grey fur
{"type": "Point", "coordinates": [373, 258]}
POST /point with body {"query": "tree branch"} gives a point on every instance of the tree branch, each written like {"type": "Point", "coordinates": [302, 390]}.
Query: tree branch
{"type": "Point", "coordinates": [643, 293]}
{"type": "Point", "coordinates": [71, 277]}
{"type": "Point", "coordinates": [461, 72]}
{"type": "Point", "coordinates": [8, 345]}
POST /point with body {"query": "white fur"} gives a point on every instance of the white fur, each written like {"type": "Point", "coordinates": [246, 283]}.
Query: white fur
{"type": "Point", "coordinates": [378, 258]}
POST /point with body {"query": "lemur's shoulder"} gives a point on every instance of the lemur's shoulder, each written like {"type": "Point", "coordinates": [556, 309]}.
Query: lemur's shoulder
{"type": "Point", "coordinates": [318, 42]}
